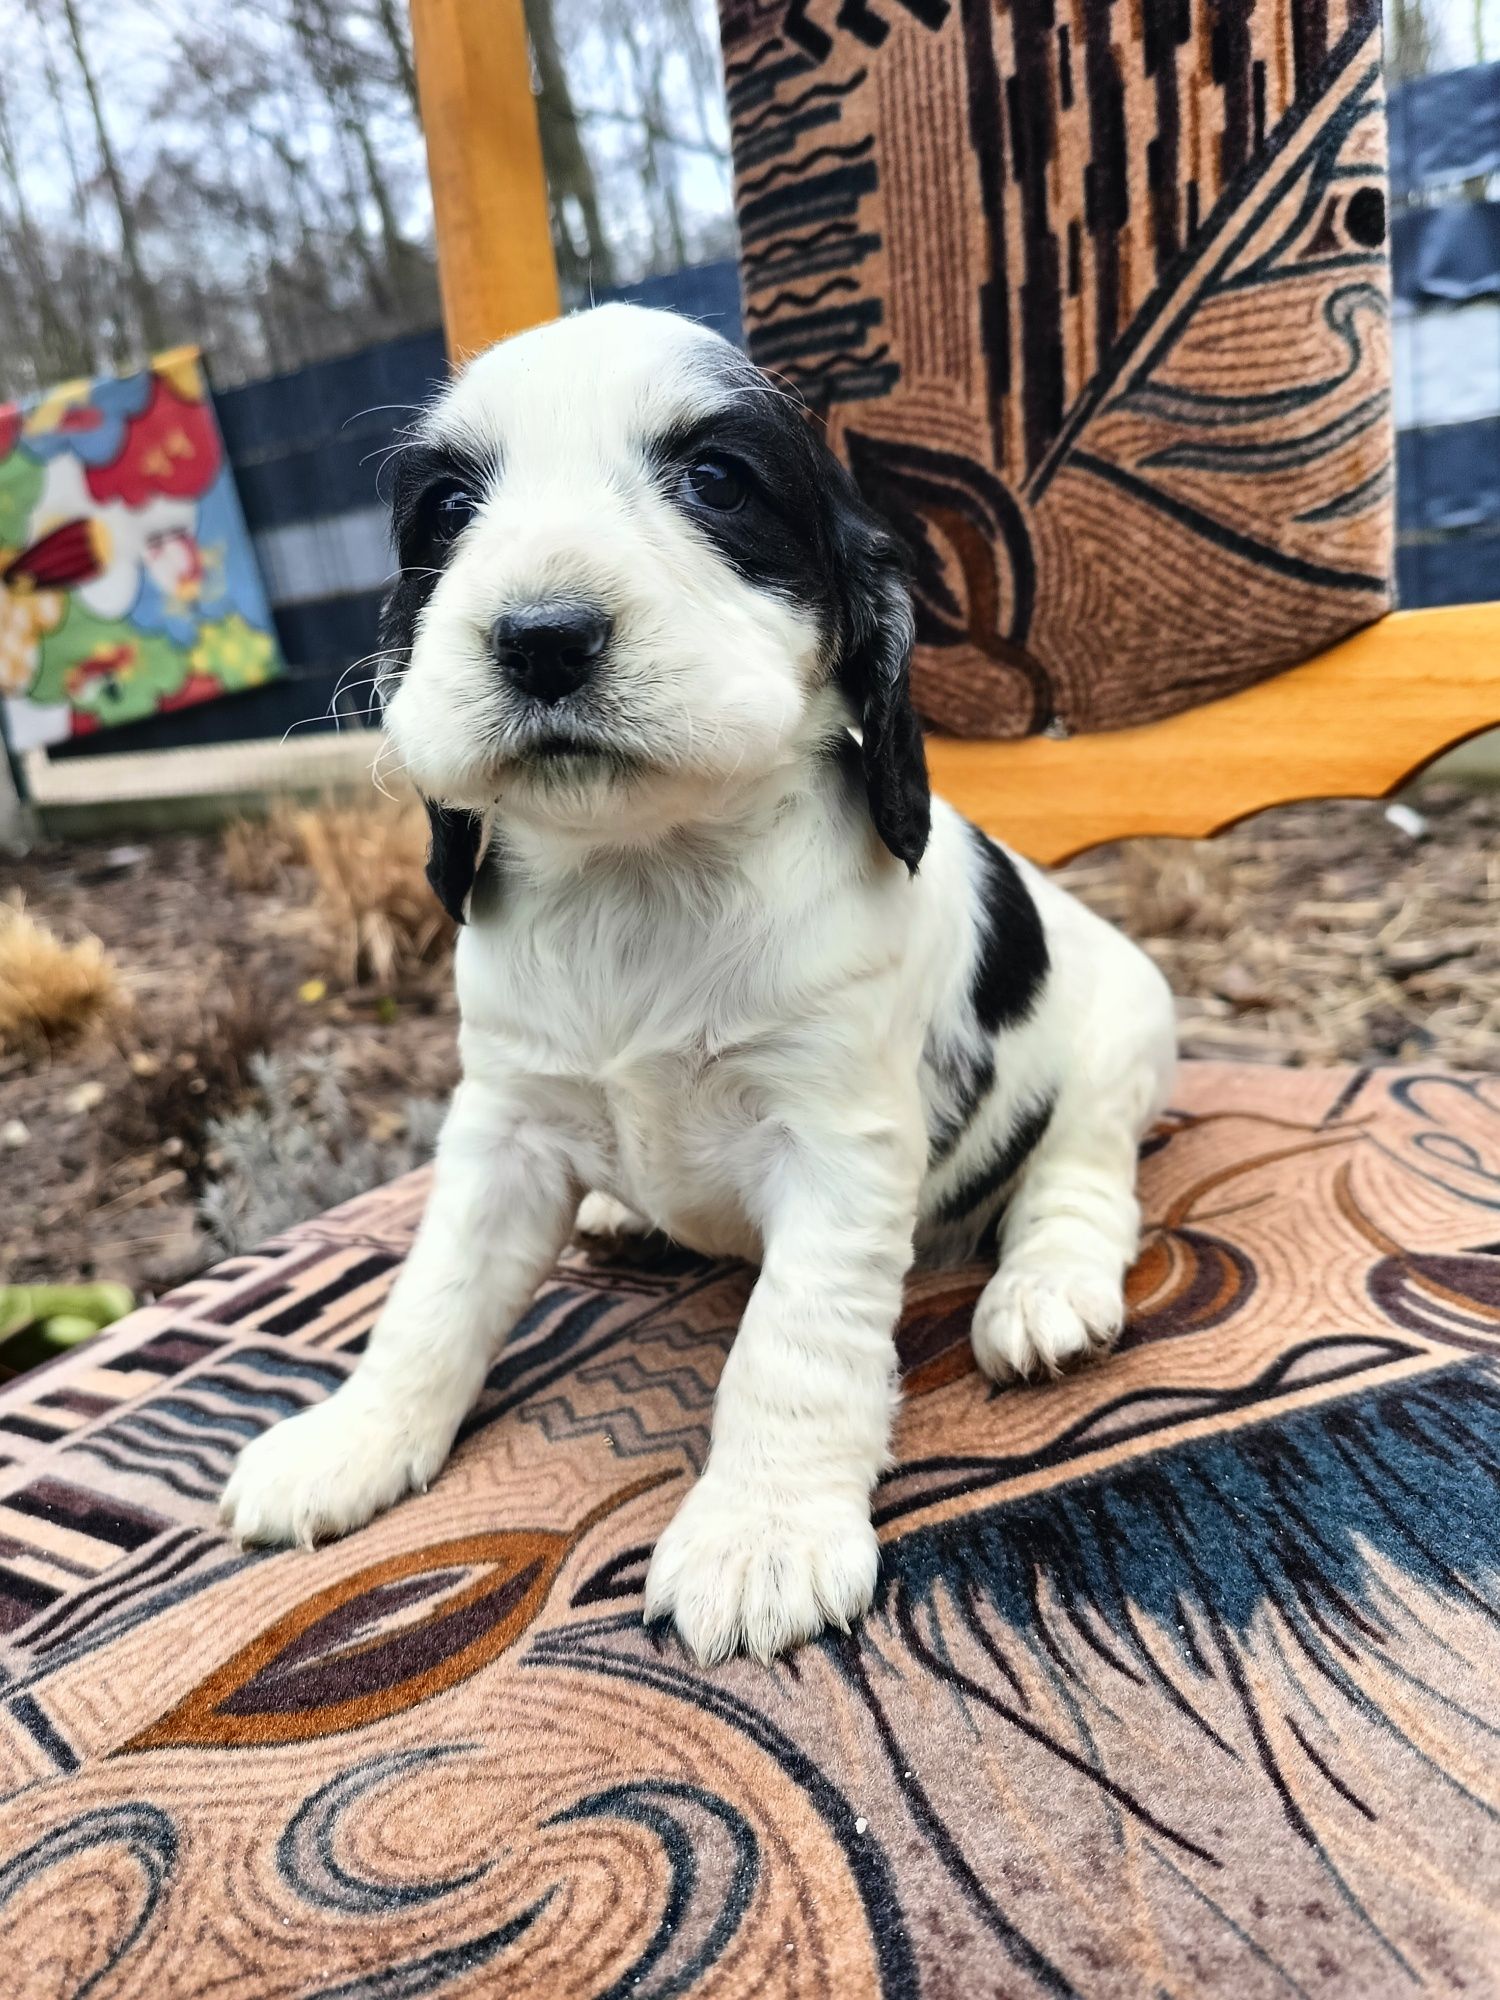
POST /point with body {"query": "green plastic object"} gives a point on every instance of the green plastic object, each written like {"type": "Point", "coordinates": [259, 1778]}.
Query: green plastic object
{"type": "Point", "coordinates": [37, 1321]}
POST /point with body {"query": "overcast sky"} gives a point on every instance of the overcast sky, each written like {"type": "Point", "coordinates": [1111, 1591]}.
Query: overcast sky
{"type": "Point", "coordinates": [133, 46]}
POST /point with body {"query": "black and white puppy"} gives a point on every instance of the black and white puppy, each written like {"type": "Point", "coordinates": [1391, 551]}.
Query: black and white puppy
{"type": "Point", "coordinates": [725, 963]}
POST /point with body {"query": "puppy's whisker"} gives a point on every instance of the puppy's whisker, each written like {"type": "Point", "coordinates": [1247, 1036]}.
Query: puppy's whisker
{"type": "Point", "coordinates": [380, 658]}
{"type": "Point", "coordinates": [348, 687]}
{"type": "Point", "coordinates": [376, 409]}
{"type": "Point", "coordinates": [385, 757]}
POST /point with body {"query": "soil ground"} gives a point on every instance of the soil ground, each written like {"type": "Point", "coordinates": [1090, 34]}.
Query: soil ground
{"type": "Point", "coordinates": [1311, 934]}
{"type": "Point", "coordinates": [106, 1181]}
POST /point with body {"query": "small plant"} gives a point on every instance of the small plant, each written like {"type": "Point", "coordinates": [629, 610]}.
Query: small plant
{"type": "Point", "coordinates": [51, 992]}
{"type": "Point", "coordinates": [40, 1321]}
{"type": "Point", "coordinates": [200, 1071]}
{"type": "Point", "coordinates": [298, 1150]}
{"type": "Point", "coordinates": [371, 919]}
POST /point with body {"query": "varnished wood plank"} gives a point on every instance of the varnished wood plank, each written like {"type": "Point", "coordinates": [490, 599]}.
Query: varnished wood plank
{"type": "Point", "coordinates": [489, 193]}
{"type": "Point", "coordinates": [1355, 722]}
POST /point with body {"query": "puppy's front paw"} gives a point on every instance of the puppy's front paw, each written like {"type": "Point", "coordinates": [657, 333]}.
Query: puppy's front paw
{"type": "Point", "coordinates": [760, 1571]}
{"type": "Point", "coordinates": [1035, 1319]}
{"type": "Point", "coordinates": [326, 1471]}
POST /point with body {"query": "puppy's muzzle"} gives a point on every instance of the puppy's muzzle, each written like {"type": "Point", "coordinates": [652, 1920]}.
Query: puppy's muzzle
{"type": "Point", "coordinates": [549, 651]}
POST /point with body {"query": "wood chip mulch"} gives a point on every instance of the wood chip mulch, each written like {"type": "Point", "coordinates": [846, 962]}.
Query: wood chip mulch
{"type": "Point", "coordinates": [1323, 933]}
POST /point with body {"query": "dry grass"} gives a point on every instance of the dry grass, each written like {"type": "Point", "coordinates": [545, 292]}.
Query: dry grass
{"type": "Point", "coordinates": [369, 915]}
{"type": "Point", "coordinates": [259, 853]}
{"type": "Point", "coordinates": [1322, 933]}
{"type": "Point", "coordinates": [51, 993]}
{"type": "Point", "coordinates": [379, 921]}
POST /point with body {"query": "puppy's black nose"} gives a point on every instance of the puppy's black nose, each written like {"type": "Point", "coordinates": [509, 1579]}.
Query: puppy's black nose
{"type": "Point", "coordinates": [549, 650]}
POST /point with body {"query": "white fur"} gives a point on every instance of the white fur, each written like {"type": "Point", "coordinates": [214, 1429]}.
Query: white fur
{"type": "Point", "coordinates": [563, 411]}
{"type": "Point", "coordinates": [708, 994]}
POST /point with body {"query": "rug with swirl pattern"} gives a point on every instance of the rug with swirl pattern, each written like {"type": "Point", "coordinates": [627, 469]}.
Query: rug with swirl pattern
{"type": "Point", "coordinates": [1184, 1677]}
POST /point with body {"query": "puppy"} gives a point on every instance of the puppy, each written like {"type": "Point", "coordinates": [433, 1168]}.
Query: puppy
{"type": "Point", "coordinates": [724, 962]}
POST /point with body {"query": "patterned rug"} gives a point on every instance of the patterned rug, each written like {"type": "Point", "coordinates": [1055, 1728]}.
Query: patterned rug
{"type": "Point", "coordinates": [1093, 298]}
{"type": "Point", "coordinates": [1184, 1678]}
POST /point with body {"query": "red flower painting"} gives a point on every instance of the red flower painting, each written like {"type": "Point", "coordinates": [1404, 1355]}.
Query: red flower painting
{"type": "Point", "coordinates": [171, 448]}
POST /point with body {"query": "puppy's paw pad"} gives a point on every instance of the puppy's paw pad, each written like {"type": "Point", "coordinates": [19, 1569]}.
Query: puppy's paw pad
{"type": "Point", "coordinates": [601, 1215]}
{"type": "Point", "coordinates": [323, 1473]}
{"type": "Point", "coordinates": [1034, 1320]}
{"type": "Point", "coordinates": [744, 1572]}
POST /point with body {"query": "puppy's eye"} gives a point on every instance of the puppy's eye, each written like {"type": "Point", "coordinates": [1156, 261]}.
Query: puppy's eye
{"type": "Point", "coordinates": [717, 484]}
{"type": "Point", "coordinates": [453, 508]}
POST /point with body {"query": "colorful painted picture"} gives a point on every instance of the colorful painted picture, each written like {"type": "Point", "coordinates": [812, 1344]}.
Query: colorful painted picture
{"type": "Point", "coordinates": [128, 583]}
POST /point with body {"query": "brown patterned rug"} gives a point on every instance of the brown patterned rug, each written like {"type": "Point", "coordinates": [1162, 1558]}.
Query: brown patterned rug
{"type": "Point", "coordinates": [1093, 298]}
{"type": "Point", "coordinates": [1184, 1679]}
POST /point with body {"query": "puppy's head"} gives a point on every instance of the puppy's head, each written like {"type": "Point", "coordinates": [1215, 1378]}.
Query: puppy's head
{"type": "Point", "coordinates": [632, 580]}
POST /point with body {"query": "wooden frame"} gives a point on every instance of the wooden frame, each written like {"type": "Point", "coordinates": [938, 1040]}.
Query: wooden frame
{"type": "Point", "coordinates": [1355, 722]}
{"type": "Point", "coordinates": [484, 155]}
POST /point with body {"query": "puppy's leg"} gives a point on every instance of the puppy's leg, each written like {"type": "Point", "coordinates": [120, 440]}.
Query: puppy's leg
{"type": "Point", "coordinates": [774, 1542]}
{"type": "Point", "coordinates": [1073, 1224]}
{"type": "Point", "coordinates": [1068, 1238]}
{"type": "Point", "coordinates": [502, 1203]}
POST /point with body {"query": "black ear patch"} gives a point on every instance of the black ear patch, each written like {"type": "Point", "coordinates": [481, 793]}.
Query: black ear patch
{"type": "Point", "coordinates": [427, 476]}
{"type": "Point", "coordinates": [452, 855]}
{"type": "Point", "coordinates": [427, 480]}
{"type": "Point", "coordinates": [874, 670]}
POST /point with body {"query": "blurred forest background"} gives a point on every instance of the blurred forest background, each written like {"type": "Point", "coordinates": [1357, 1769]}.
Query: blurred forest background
{"type": "Point", "coordinates": [249, 175]}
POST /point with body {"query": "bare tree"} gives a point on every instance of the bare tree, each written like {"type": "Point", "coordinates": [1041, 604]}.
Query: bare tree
{"type": "Point", "coordinates": [142, 297]}
{"type": "Point", "coordinates": [249, 174]}
{"type": "Point", "coordinates": [1409, 40]}
{"type": "Point", "coordinates": [570, 172]}
{"type": "Point", "coordinates": [395, 27]}
{"type": "Point", "coordinates": [32, 290]}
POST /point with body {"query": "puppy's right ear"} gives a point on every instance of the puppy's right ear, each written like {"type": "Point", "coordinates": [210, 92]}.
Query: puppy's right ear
{"type": "Point", "coordinates": [452, 855]}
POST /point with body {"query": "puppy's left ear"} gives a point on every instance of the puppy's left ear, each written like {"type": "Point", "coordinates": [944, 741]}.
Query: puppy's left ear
{"type": "Point", "coordinates": [452, 855]}
{"type": "Point", "coordinates": [874, 669]}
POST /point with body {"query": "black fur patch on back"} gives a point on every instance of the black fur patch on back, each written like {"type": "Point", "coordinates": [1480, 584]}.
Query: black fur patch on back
{"type": "Point", "coordinates": [1010, 971]}
{"type": "Point", "coordinates": [1013, 965]}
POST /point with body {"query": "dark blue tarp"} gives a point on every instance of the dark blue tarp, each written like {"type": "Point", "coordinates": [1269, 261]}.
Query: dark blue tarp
{"type": "Point", "coordinates": [1447, 254]}
{"type": "Point", "coordinates": [710, 292]}
{"type": "Point", "coordinates": [1445, 128]}
{"type": "Point", "coordinates": [1458, 569]}
{"type": "Point", "coordinates": [1448, 478]}
{"type": "Point", "coordinates": [309, 444]}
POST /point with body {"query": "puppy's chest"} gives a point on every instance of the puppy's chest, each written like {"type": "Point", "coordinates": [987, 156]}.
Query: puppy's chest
{"type": "Point", "coordinates": [678, 1137]}
{"type": "Point", "coordinates": [675, 1136]}
{"type": "Point", "coordinates": [655, 1049]}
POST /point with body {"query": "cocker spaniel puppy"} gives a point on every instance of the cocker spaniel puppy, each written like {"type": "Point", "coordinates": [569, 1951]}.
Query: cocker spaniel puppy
{"type": "Point", "coordinates": [725, 963]}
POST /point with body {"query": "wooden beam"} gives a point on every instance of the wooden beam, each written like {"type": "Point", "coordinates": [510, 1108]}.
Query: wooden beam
{"type": "Point", "coordinates": [489, 193]}
{"type": "Point", "coordinates": [1355, 722]}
